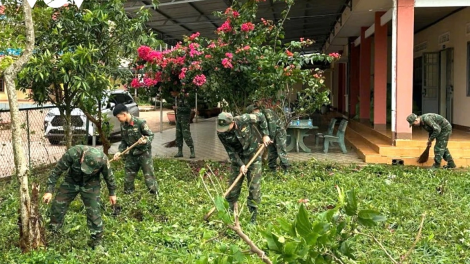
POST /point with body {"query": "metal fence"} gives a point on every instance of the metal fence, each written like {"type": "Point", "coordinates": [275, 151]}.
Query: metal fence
{"type": "Point", "coordinates": [39, 149]}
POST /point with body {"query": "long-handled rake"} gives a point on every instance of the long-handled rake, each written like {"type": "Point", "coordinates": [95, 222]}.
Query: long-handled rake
{"type": "Point", "coordinates": [240, 175]}
{"type": "Point", "coordinates": [117, 208]}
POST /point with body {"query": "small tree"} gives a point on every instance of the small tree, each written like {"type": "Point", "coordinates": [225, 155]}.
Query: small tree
{"type": "Point", "coordinates": [246, 61]}
{"type": "Point", "coordinates": [30, 231]}
{"type": "Point", "coordinates": [79, 57]}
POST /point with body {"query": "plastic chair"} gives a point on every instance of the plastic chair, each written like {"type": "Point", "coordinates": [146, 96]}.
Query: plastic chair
{"type": "Point", "coordinates": [339, 137]}
{"type": "Point", "coordinates": [331, 128]}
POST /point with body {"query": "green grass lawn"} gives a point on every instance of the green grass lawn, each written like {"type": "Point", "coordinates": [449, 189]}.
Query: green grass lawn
{"type": "Point", "coordinates": [171, 230]}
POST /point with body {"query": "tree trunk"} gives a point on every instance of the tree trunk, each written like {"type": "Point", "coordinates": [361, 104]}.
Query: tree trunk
{"type": "Point", "coordinates": [68, 127]}
{"type": "Point", "coordinates": [26, 232]}
{"type": "Point", "coordinates": [104, 139]}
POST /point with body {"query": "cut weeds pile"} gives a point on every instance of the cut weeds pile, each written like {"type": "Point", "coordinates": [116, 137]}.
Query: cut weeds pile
{"type": "Point", "coordinates": [171, 230]}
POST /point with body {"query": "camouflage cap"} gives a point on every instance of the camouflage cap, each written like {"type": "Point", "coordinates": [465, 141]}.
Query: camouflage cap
{"type": "Point", "coordinates": [93, 160]}
{"type": "Point", "coordinates": [411, 118]}
{"type": "Point", "coordinates": [223, 121]}
{"type": "Point", "coordinates": [251, 108]}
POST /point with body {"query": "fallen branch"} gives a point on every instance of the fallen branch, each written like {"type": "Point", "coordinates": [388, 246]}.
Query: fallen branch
{"type": "Point", "coordinates": [408, 253]}
{"type": "Point", "coordinates": [237, 228]}
{"type": "Point", "coordinates": [381, 246]}
{"type": "Point", "coordinates": [418, 237]}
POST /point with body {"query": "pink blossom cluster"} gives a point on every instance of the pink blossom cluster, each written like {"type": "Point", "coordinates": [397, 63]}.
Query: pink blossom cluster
{"type": "Point", "coordinates": [226, 27]}
{"type": "Point", "coordinates": [247, 27]}
{"type": "Point", "coordinates": [193, 50]}
{"type": "Point", "coordinates": [143, 52]}
{"type": "Point", "coordinates": [150, 82]}
{"type": "Point", "coordinates": [194, 36]}
{"type": "Point", "coordinates": [182, 74]}
{"type": "Point", "coordinates": [334, 55]}
{"type": "Point", "coordinates": [230, 12]}
{"type": "Point", "coordinates": [199, 80]}
{"type": "Point", "coordinates": [227, 63]}
{"type": "Point", "coordinates": [135, 83]}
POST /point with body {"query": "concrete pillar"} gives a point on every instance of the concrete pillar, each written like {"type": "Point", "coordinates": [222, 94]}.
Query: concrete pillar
{"type": "Point", "coordinates": [402, 81]}
{"type": "Point", "coordinates": [341, 87]}
{"type": "Point", "coordinates": [364, 76]}
{"type": "Point", "coordinates": [380, 73]}
{"type": "Point", "coordinates": [353, 77]}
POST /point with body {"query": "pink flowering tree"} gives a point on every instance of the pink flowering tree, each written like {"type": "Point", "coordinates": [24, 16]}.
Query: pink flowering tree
{"type": "Point", "coordinates": [246, 61]}
{"type": "Point", "coordinates": [176, 70]}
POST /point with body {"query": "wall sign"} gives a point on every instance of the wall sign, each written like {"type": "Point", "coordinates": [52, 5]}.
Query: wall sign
{"type": "Point", "coordinates": [421, 47]}
{"type": "Point", "coordinates": [443, 38]}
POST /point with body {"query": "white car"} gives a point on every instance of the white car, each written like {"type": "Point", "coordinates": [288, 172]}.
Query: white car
{"type": "Point", "coordinates": [53, 122]}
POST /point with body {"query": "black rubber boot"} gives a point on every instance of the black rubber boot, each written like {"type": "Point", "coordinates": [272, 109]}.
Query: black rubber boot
{"type": "Point", "coordinates": [450, 165]}
{"type": "Point", "coordinates": [254, 214]}
{"type": "Point", "coordinates": [180, 153]}
{"type": "Point", "coordinates": [436, 166]}
{"type": "Point", "coordinates": [193, 154]}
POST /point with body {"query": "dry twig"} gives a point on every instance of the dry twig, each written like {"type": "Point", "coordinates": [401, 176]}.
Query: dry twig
{"type": "Point", "coordinates": [237, 228]}
{"type": "Point", "coordinates": [381, 246]}
{"type": "Point", "coordinates": [418, 237]}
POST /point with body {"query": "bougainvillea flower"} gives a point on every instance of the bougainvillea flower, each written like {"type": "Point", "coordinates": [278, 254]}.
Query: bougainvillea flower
{"type": "Point", "coordinates": [135, 83]}
{"type": "Point", "coordinates": [194, 36]}
{"type": "Point", "coordinates": [143, 52]}
{"type": "Point", "coordinates": [226, 63]}
{"type": "Point", "coordinates": [248, 26]}
{"type": "Point", "coordinates": [199, 80]}
{"type": "Point", "coordinates": [225, 27]}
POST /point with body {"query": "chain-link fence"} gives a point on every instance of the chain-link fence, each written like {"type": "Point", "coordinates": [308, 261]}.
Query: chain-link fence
{"type": "Point", "coordinates": [40, 148]}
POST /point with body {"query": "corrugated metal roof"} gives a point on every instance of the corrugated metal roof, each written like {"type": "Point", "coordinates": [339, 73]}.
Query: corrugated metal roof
{"type": "Point", "coordinates": [312, 19]}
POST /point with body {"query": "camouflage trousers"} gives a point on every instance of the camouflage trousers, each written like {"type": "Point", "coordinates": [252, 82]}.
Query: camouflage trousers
{"type": "Point", "coordinates": [183, 131]}
{"type": "Point", "coordinates": [90, 194]}
{"type": "Point", "coordinates": [253, 177]}
{"type": "Point", "coordinates": [278, 150]}
{"type": "Point", "coordinates": [132, 166]}
{"type": "Point", "coordinates": [440, 148]}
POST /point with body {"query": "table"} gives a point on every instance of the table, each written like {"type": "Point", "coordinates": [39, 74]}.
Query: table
{"type": "Point", "coordinates": [297, 134]}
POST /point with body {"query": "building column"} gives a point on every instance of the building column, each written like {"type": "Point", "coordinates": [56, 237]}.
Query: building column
{"type": "Point", "coordinates": [364, 76]}
{"type": "Point", "coordinates": [341, 87]}
{"type": "Point", "coordinates": [380, 73]}
{"type": "Point", "coordinates": [402, 67]}
{"type": "Point", "coordinates": [353, 77]}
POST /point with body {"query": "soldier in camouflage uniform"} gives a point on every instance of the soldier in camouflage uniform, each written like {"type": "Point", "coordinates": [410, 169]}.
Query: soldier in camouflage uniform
{"type": "Point", "coordinates": [240, 137]}
{"type": "Point", "coordinates": [277, 133]}
{"type": "Point", "coordinates": [440, 129]}
{"type": "Point", "coordinates": [183, 113]}
{"type": "Point", "coordinates": [84, 165]}
{"type": "Point", "coordinates": [132, 130]}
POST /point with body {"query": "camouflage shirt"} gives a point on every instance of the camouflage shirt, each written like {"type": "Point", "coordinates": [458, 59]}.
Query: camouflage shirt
{"type": "Point", "coordinates": [131, 132]}
{"type": "Point", "coordinates": [243, 139]}
{"type": "Point", "coordinates": [274, 122]}
{"type": "Point", "coordinates": [435, 124]}
{"type": "Point", "coordinates": [71, 161]}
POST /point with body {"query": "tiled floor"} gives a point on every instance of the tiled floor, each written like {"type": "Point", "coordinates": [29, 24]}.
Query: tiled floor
{"type": "Point", "coordinates": [208, 146]}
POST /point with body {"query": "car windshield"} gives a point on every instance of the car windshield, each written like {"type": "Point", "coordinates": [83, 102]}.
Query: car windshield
{"type": "Point", "coordinates": [120, 98]}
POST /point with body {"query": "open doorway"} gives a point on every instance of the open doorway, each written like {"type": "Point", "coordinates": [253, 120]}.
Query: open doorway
{"type": "Point", "coordinates": [437, 82]}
